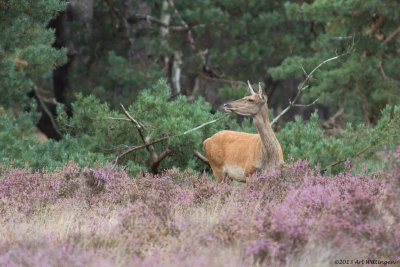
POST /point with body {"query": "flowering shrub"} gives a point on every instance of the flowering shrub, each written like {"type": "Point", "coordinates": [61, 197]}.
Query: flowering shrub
{"type": "Point", "coordinates": [23, 191]}
{"type": "Point", "coordinates": [101, 216]}
{"type": "Point", "coordinates": [41, 254]}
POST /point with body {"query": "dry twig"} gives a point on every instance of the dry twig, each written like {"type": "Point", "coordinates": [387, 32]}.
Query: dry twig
{"type": "Point", "coordinates": [302, 87]}
{"type": "Point", "coordinates": [390, 37]}
{"type": "Point", "coordinates": [46, 109]}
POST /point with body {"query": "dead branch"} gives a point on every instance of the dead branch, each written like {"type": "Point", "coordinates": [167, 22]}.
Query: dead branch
{"type": "Point", "coordinates": [358, 153]}
{"type": "Point", "coordinates": [202, 53]}
{"type": "Point", "coordinates": [156, 162]}
{"type": "Point", "coordinates": [390, 37]}
{"type": "Point", "coordinates": [118, 119]}
{"type": "Point", "coordinates": [202, 75]}
{"type": "Point", "coordinates": [138, 124]}
{"type": "Point", "coordinates": [302, 87]}
{"type": "Point", "coordinates": [376, 26]}
{"type": "Point", "coordinates": [156, 159]}
{"type": "Point", "coordinates": [185, 25]}
{"type": "Point", "coordinates": [382, 72]}
{"type": "Point", "coordinates": [331, 121]}
{"type": "Point", "coordinates": [118, 13]}
{"type": "Point", "coordinates": [148, 143]}
{"type": "Point", "coordinates": [145, 17]}
{"type": "Point", "coordinates": [45, 108]}
{"type": "Point", "coordinates": [201, 157]}
{"type": "Point", "coordinates": [139, 127]}
{"type": "Point", "coordinates": [203, 125]}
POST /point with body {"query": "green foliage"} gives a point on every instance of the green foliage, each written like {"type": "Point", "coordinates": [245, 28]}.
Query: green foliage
{"type": "Point", "coordinates": [21, 148]}
{"type": "Point", "coordinates": [242, 40]}
{"type": "Point", "coordinates": [123, 79]}
{"type": "Point", "coordinates": [93, 137]}
{"type": "Point", "coordinates": [362, 82]}
{"type": "Point", "coordinates": [119, 54]}
{"type": "Point", "coordinates": [233, 91]}
{"type": "Point", "coordinates": [113, 63]}
{"type": "Point", "coordinates": [26, 54]}
{"type": "Point", "coordinates": [162, 117]}
{"type": "Point", "coordinates": [166, 118]}
{"type": "Point", "coordinates": [358, 144]}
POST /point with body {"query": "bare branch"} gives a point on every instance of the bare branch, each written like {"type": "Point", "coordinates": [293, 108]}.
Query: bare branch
{"type": "Point", "coordinates": [281, 114]}
{"type": "Point", "coordinates": [185, 25]}
{"type": "Point", "coordinates": [304, 71]}
{"type": "Point", "coordinates": [303, 86]}
{"type": "Point", "coordinates": [140, 129]}
{"type": "Point", "coordinates": [118, 13]}
{"type": "Point", "coordinates": [149, 19]}
{"type": "Point", "coordinates": [45, 108]}
{"type": "Point", "coordinates": [390, 37]}
{"type": "Point", "coordinates": [331, 120]}
{"type": "Point", "coordinates": [358, 153]}
{"type": "Point", "coordinates": [306, 105]}
{"type": "Point", "coordinates": [201, 53]}
{"type": "Point", "coordinates": [138, 124]}
{"type": "Point", "coordinates": [134, 148]}
{"type": "Point", "coordinates": [156, 162]}
{"type": "Point", "coordinates": [119, 119]}
{"type": "Point", "coordinates": [382, 72]}
{"type": "Point", "coordinates": [203, 125]}
{"type": "Point", "coordinates": [201, 157]}
{"type": "Point", "coordinates": [308, 77]}
{"type": "Point", "coordinates": [293, 104]}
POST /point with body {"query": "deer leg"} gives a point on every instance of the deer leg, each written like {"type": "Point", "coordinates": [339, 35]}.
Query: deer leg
{"type": "Point", "coordinates": [218, 175]}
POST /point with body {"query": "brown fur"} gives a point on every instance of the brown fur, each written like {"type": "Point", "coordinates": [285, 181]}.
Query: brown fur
{"type": "Point", "coordinates": [236, 155]}
{"type": "Point", "coordinates": [223, 147]}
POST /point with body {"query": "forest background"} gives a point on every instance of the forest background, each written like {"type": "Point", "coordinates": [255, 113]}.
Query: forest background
{"type": "Point", "coordinates": [104, 106]}
{"type": "Point", "coordinates": [66, 67]}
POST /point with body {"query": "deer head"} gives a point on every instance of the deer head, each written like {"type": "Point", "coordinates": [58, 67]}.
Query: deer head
{"type": "Point", "coordinates": [248, 106]}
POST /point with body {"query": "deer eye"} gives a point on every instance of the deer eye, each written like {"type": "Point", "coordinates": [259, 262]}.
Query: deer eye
{"type": "Point", "coordinates": [250, 100]}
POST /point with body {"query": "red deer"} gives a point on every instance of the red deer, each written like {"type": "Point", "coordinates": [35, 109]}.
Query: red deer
{"type": "Point", "coordinates": [236, 155]}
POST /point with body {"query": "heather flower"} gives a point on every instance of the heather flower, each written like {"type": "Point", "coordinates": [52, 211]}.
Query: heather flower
{"type": "Point", "coordinates": [182, 219]}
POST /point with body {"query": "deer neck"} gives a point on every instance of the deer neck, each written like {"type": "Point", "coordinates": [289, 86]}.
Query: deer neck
{"type": "Point", "coordinates": [271, 155]}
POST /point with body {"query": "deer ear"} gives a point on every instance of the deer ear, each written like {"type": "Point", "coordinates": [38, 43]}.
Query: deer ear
{"type": "Point", "coordinates": [261, 93]}
{"type": "Point", "coordinates": [251, 88]}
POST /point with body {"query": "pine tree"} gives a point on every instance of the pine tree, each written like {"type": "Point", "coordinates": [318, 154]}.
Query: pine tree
{"type": "Point", "coordinates": [196, 44]}
{"type": "Point", "coordinates": [26, 52]}
{"type": "Point", "coordinates": [367, 79]}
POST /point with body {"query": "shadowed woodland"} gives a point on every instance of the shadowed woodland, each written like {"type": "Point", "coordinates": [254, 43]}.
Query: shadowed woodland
{"type": "Point", "coordinates": [104, 106]}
